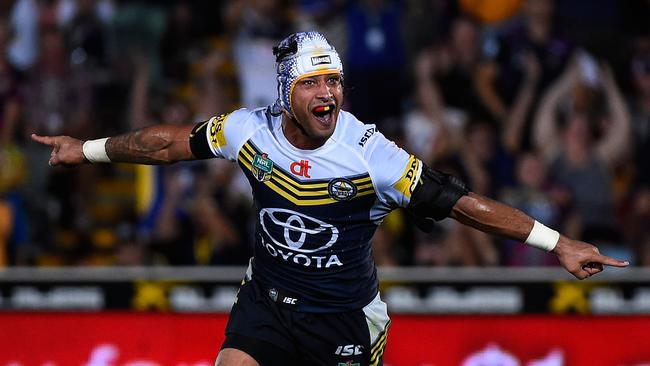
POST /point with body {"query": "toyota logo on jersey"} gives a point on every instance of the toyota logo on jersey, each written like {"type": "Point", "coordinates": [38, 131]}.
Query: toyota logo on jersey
{"type": "Point", "coordinates": [296, 231]}
{"type": "Point", "coordinates": [296, 237]}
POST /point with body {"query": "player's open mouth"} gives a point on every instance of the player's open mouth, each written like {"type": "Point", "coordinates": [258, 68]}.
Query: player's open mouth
{"type": "Point", "coordinates": [323, 113]}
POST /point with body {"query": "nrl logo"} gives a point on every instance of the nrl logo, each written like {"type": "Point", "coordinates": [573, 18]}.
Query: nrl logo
{"type": "Point", "coordinates": [341, 189]}
{"type": "Point", "coordinates": [262, 167]}
{"type": "Point", "coordinates": [319, 60]}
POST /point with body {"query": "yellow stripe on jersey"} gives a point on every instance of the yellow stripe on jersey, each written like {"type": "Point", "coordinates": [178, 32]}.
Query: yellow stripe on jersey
{"type": "Point", "coordinates": [288, 181]}
{"type": "Point", "coordinates": [299, 201]}
{"type": "Point", "coordinates": [249, 152]}
{"type": "Point", "coordinates": [297, 192]}
{"type": "Point", "coordinates": [284, 183]}
{"type": "Point", "coordinates": [406, 184]}
{"type": "Point", "coordinates": [287, 196]}
{"type": "Point", "coordinates": [322, 193]}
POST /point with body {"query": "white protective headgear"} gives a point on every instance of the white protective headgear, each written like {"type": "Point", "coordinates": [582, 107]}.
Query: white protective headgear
{"type": "Point", "coordinates": [300, 55]}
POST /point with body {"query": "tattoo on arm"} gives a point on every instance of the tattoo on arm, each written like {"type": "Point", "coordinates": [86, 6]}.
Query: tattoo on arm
{"type": "Point", "coordinates": [149, 145]}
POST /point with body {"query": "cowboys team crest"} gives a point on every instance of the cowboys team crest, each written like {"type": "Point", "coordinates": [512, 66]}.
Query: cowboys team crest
{"type": "Point", "coordinates": [273, 294]}
{"type": "Point", "coordinates": [341, 189]}
{"type": "Point", "coordinates": [262, 167]}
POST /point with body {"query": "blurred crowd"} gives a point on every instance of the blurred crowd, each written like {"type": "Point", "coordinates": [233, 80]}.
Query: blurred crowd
{"type": "Point", "coordinates": [542, 104]}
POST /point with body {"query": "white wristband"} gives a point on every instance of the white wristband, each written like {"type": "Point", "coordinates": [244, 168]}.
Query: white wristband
{"type": "Point", "coordinates": [95, 151]}
{"type": "Point", "coordinates": [542, 237]}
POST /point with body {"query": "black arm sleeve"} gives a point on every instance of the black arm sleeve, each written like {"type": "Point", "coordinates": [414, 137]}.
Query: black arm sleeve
{"type": "Point", "coordinates": [199, 143]}
{"type": "Point", "coordinates": [434, 197]}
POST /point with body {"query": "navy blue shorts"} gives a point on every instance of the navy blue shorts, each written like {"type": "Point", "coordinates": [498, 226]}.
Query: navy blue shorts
{"type": "Point", "coordinates": [265, 324]}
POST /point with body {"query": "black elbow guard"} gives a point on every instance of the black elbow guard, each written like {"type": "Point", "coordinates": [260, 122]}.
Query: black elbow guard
{"type": "Point", "coordinates": [434, 196]}
{"type": "Point", "coordinates": [199, 143]}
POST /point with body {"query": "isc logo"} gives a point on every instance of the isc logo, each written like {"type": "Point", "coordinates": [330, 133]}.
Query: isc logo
{"type": "Point", "coordinates": [369, 132]}
{"type": "Point", "coordinates": [349, 350]}
{"type": "Point", "coordinates": [289, 300]}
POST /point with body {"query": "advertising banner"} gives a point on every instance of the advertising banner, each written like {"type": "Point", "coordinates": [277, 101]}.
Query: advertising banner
{"type": "Point", "coordinates": [156, 339]}
{"type": "Point", "coordinates": [557, 297]}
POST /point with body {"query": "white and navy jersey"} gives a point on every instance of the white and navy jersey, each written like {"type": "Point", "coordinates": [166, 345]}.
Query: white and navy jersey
{"type": "Point", "coordinates": [316, 209]}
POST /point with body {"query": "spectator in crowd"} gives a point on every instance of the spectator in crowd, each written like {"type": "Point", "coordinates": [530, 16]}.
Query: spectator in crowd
{"type": "Point", "coordinates": [481, 161]}
{"type": "Point", "coordinates": [255, 26]}
{"type": "Point", "coordinates": [585, 149]}
{"type": "Point", "coordinates": [445, 93]}
{"type": "Point", "coordinates": [23, 48]}
{"type": "Point", "coordinates": [178, 42]}
{"type": "Point", "coordinates": [501, 74]}
{"type": "Point", "coordinates": [375, 58]}
{"type": "Point", "coordinates": [512, 134]}
{"type": "Point", "coordinates": [424, 22]}
{"type": "Point", "coordinates": [86, 35]}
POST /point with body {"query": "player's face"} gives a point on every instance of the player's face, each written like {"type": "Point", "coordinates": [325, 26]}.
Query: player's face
{"type": "Point", "coordinates": [316, 102]}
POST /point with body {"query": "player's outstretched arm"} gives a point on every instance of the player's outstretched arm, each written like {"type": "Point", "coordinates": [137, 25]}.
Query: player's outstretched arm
{"type": "Point", "coordinates": [160, 144]}
{"type": "Point", "coordinates": [579, 258]}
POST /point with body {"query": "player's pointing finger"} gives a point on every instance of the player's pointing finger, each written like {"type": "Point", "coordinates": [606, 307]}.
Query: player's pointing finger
{"type": "Point", "coordinates": [46, 140]}
{"type": "Point", "coordinates": [611, 261]}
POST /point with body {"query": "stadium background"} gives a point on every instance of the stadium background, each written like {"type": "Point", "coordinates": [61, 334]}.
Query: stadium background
{"type": "Point", "coordinates": [542, 104]}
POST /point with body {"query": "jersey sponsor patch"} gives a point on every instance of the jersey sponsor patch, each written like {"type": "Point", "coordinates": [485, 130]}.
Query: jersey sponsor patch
{"type": "Point", "coordinates": [217, 131]}
{"type": "Point", "coordinates": [298, 238]}
{"type": "Point", "coordinates": [407, 183]}
{"type": "Point", "coordinates": [301, 168]}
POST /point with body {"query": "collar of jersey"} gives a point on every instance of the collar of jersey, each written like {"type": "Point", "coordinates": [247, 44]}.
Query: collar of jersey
{"type": "Point", "coordinates": [282, 139]}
